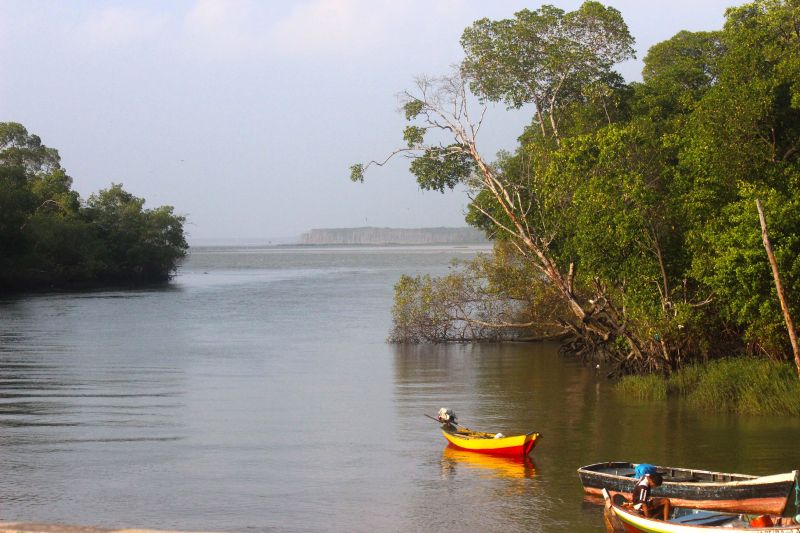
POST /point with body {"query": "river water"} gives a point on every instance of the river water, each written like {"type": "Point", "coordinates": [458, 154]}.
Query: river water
{"type": "Point", "coordinates": [257, 393]}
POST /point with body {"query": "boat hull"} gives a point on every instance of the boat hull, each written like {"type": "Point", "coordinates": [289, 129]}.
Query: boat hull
{"type": "Point", "coordinates": [635, 523]}
{"type": "Point", "coordinates": [518, 445]}
{"type": "Point", "coordinates": [715, 491]}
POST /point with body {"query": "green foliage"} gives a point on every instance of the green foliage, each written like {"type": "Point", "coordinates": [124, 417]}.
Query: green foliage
{"type": "Point", "coordinates": [357, 173]}
{"type": "Point", "coordinates": [686, 61]}
{"type": "Point", "coordinates": [413, 135]}
{"type": "Point", "coordinates": [64, 249]}
{"type": "Point", "coordinates": [658, 209]}
{"type": "Point", "coordinates": [48, 237]}
{"type": "Point", "coordinates": [734, 264]}
{"type": "Point", "coordinates": [533, 56]}
{"type": "Point", "coordinates": [645, 387]}
{"type": "Point", "coordinates": [749, 386]}
{"type": "Point", "coordinates": [493, 297]}
{"type": "Point", "coordinates": [420, 311]}
{"type": "Point", "coordinates": [142, 244]}
{"type": "Point", "coordinates": [744, 385]}
{"type": "Point", "coordinates": [20, 149]}
{"type": "Point", "coordinates": [624, 207]}
{"type": "Point", "coordinates": [412, 108]}
{"type": "Point", "coordinates": [677, 73]}
{"type": "Point", "coordinates": [633, 204]}
{"type": "Point", "coordinates": [440, 168]}
{"type": "Point", "coordinates": [742, 143]}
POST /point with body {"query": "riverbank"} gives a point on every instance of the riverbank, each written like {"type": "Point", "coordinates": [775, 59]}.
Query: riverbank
{"type": "Point", "coordinates": [744, 385]}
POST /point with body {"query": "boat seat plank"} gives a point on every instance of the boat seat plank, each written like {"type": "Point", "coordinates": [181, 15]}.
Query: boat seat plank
{"type": "Point", "coordinates": [681, 479]}
{"type": "Point", "coordinates": [627, 472]}
{"type": "Point", "coordinates": [703, 518]}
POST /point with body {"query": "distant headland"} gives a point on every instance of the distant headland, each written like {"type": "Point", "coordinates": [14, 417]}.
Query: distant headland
{"type": "Point", "coordinates": [371, 235]}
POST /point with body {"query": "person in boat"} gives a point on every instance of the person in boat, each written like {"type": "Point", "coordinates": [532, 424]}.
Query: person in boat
{"type": "Point", "coordinates": [447, 417]}
{"type": "Point", "coordinates": [643, 502]}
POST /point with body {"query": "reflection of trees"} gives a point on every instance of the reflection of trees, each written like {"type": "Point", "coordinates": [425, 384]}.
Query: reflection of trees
{"type": "Point", "coordinates": [515, 387]}
{"type": "Point", "coordinates": [507, 387]}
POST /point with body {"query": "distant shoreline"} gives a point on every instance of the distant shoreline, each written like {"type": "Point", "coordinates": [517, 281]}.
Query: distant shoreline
{"type": "Point", "coordinates": [387, 236]}
{"type": "Point", "coordinates": [362, 236]}
{"type": "Point", "coordinates": [297, 246]}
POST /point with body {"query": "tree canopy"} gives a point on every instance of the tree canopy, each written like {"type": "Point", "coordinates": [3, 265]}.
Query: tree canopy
{"type": "Point", "coordinates": [628, 207]}
{"type": "Point", "coordinates": [49, 237]}
{"type": "Point", "coordinates": [547, 57]}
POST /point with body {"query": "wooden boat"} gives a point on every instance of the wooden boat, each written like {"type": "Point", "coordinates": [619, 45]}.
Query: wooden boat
{"type": "Point", "coordinates": [699, 489]}
{"type": "Point", "coordinates": [684, 520]}
{"type": "Point", "coordinates": [478, 441]}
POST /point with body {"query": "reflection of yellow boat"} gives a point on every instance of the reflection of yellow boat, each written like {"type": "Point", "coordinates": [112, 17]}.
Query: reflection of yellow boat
{"type": "Point", "coordinates": [477, 441]}
{"type": "Point", "coordinates": [497, 465]}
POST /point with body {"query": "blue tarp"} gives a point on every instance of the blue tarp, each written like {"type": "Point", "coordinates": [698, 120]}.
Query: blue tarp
{"type": "Point", "coordinates": [643, 469]}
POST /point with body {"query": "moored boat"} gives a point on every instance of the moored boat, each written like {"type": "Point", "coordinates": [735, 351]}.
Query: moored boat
{"type": "Point", "coordinates": [683, 520]}
{"type": "Point", "coordinates": [480, 441]}
{"type": "Point", "coordinates": [699, 489]}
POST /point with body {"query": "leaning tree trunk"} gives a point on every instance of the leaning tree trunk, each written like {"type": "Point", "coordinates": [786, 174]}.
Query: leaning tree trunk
{"type": "Point", "coordinates": [587, 325]}
{"type": "Point", "coordinates": [779, 286]}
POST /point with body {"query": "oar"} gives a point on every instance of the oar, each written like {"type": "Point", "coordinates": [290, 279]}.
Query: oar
{"type": "Point", "coordinates": [437, 420]}
{"type": "Point", "coordinates": [462, 427]}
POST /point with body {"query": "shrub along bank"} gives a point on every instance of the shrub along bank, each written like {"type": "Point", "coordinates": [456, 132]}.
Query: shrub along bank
{"type": "Point", "coordinates": [745, 385]}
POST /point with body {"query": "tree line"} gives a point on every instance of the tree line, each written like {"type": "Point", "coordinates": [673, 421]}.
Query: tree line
{"type": "Point", "coordinates": [50, 237]}
{"type": "Point", "coordinates": [625, 220]}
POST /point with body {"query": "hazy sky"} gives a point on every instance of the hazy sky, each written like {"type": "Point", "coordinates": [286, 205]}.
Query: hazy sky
{"type": "Point", "coordinates": [245, 115]}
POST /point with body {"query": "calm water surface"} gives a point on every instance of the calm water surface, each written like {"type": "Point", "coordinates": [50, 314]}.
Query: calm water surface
{"type": "Point", "coordinates": [257, 393]}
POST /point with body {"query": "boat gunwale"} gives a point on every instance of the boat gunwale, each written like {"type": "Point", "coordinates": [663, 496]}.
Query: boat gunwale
{"type": "Point", "coordinates": [487, 436]}
{"type": "Point", "coordinates": [759, 495]}
{"type": "Point", "coordinates": [655, 525]}
{"type": "Point", "coordinates": [744, 479]}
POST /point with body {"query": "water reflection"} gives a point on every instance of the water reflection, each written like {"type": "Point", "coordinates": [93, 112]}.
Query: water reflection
{"type": "Point", "coordinates": [455, 460]}
{"type": "Point", "coordinates": [261, 396]}
{"type": "Point", "coordinates": [516, 388]}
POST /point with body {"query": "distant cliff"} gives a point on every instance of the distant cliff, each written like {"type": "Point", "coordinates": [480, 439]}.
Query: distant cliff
{"type": "Point", "coordinates": [393, 236]}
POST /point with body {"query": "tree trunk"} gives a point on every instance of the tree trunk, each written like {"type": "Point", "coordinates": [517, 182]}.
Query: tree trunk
{"type": "Point", "coordinates": [779, 285]}
{"type": "Point", "coordinates": [540, 117]}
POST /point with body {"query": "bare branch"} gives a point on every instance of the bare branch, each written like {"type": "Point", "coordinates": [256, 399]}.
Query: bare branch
{"type": "Point", "coordinates": [389, 157]}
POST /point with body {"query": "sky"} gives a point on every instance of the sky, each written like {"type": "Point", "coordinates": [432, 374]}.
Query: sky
{"type": "Point", "coordinates": [245, 115]}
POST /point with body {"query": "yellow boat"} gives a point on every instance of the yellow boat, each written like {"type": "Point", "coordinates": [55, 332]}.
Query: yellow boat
{"type": "Point", "coordinates": [478, 441]}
